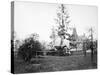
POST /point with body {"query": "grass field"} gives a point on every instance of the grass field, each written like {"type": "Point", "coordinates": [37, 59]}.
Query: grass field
{"type": "Point", "coordinates": [55, 63]}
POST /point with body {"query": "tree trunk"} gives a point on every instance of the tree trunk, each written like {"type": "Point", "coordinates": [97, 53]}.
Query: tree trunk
{"type": "Point", "coordinates": [61, 43]}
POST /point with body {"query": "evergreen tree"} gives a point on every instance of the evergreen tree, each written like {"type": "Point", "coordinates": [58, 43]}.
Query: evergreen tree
{"type": "Point", "coordinates": [53, 36]}
{"type": "Point", "coordinates": [63, 22]}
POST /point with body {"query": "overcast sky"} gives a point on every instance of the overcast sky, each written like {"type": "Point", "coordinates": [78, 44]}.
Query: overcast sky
{"type": "Point", "coordinates": [30, 17]}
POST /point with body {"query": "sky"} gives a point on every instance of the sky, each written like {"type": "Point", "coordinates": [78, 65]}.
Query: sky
{"type": "Point", "coordinates": [30, 17]}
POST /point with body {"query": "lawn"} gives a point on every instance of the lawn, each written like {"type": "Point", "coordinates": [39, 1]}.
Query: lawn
{"type": "Point", "coordinates": [55, 63]}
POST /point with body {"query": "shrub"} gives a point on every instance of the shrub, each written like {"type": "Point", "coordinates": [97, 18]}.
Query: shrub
{"type": "Point", "coordinates": [29, 48]}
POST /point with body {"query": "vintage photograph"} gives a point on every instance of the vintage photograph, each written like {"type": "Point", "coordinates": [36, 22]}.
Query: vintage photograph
{"type": "Point", "coordinates": [50, 37]}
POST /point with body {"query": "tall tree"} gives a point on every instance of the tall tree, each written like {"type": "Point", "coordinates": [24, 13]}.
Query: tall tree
{"type": "Point", "coordinates": [91, 43]}
{"type": "Point", "coordinates": [63, 22]}
{"type": "Point", "coordinates": [53, 35]}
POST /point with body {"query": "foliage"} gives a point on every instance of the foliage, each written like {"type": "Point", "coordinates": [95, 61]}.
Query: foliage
{"type": "Point", "coordinates": [29, 48]}
{"type": "Point", "coordinates": [89, 45]}
{"type": "Point", "coordinates": [52, 52]}
{"type": "Point", "coordinates": [63, 22]}
{"type": "Point", "coordinates": [53, 35]}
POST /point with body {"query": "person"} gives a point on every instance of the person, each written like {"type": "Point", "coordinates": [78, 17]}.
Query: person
{"type": "Point", "coordinates": [92, 50]}
{"type": "Point", "coordinates": [67, 50]}
{"type": "Point", "coordinates": [84, 48]}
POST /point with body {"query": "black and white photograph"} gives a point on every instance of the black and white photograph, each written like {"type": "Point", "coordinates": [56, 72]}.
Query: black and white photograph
{"type": "Point", "coordinates": [51, 37]}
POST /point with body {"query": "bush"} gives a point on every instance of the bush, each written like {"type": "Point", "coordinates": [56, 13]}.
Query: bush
{"type": "Point", "coordinates": [29, 48]}
{"type": "Point", "coordinates": [52, 52]}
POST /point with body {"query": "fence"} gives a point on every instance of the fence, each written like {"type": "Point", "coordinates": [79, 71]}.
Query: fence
{"type": "Point", "coordinates": [58, 53]}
